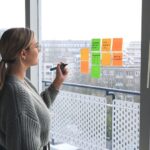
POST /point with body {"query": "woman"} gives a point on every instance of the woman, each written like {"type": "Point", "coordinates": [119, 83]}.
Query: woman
{"type": "Point", "coordinates": [24, 114]}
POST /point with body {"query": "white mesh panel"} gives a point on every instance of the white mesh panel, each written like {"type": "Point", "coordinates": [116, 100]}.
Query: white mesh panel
{"type": "Point", "coordinates": [125, 125]}
{"type": "Point", "coordinates": [79, 120]}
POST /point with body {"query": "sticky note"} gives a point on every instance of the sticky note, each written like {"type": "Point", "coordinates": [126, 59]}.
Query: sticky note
{"type": "Point", "coordinates": [84, 53]}
{"type": "Point", "coordinates": [95, 71]}
{"type": "Point", "coordinates": [117, 59]}
{"type": "Point", "coordinates": [106, 59]}
{"type": "Point", "coordinates": [117, 44]}
{"type": "Point", "coordinates": [84, 67]}
{"type": "Point", "coordinates": [95, 45]}
{"type": "Point", "coordinates": [95, 58]}
{"type": "Point", "coordinates": [106, 44]}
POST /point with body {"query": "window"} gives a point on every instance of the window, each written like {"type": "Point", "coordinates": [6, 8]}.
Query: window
{"type": "Point", "coordinates": [11, 15]}
{"type": "Point", "coordinates": [84, 114]}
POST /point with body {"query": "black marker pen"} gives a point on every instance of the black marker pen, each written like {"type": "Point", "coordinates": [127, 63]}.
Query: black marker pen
{"type": "Point", "coordinates": [62, 66]}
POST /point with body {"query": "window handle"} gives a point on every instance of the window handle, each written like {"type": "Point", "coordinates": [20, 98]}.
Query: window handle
{"type": "Point", "coordinates": [148, 69]}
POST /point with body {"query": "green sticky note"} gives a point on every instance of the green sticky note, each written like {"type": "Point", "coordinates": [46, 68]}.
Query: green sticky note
{"type": "Point", "coordinates": [95, 44]}
{"type": "Point", "coordinates": [95, 58]}
{"type": "Point", "coordinates": [95, 73]}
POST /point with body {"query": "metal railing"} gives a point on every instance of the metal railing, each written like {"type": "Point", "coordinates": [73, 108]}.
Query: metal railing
{"type": "Point", "coordinates": [109, 91]}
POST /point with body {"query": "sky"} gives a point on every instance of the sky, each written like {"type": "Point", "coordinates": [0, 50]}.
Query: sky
{"type": "Point", "coordinates": [12, 13]}
{"type": "Point", "coordinates": [79, 19]}
{"type": "Point", "coordinates": [86, 19]}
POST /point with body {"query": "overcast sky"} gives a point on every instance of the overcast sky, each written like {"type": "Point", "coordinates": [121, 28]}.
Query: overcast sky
{"type": "Point", "coordinates": [12, 13]}
{"type": "Point", "coordinates": [86, 19]}
{"type": "Point", "coordinates": [79, 19]}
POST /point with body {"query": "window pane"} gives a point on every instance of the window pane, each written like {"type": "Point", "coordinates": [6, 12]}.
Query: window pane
{"type": "Point", "coordinates": [12, 14]}
{"type": "Point", "coordinates": [99, 105]}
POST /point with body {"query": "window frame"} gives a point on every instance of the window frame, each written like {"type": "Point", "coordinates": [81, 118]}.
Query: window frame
{"type": "Point", "coordinates": [32, 21]}
{"type": "Point", "coordinates": [33, 18]}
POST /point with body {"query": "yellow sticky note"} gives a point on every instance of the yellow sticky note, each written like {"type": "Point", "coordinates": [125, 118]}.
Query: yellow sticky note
{"type": "Point", "coordinates": [106, 44]}
{"type": "Point", "coordinates": [117, 59]}
{"type": "Point", "coordinates": [84, 67]}
{"type": "Point", "coordinates": [117, 44]}
{"type": "Point", "coordinates": [106, 59]}
{"type": "Point", "coordinates": [84, 53]}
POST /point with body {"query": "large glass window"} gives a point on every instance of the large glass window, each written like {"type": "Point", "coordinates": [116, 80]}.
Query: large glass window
{"type": "Point", "coordinates": [99, 105]}
{"type": "Point", "coordinates": [12, 14]}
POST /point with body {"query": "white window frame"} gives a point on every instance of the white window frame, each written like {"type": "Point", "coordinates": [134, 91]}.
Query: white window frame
{"type": "Point", "coordinates": [32, 8]}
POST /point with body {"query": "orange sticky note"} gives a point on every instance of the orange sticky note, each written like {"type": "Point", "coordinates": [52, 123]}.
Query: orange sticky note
{"type": "Point", "coordinates": [84, 53]}
{"type": "Point", "coordinates": [106, 43]}
{"type": "Point", "coordinates": [106, 59]}
{"type": "Point", "coordinates": [84, 67]}
{"type": "Point", "coordinates": [117, 44]}
{"type": "Point", "coordinates": [117, 59]}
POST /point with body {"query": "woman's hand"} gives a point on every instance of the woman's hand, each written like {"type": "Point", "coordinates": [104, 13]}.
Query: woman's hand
{"type": "Point", "coordinates": [60, 76]}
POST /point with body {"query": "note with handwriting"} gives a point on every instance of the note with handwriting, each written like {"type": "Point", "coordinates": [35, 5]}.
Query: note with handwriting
{"type": "Point", "coordinates": [106, 44]}
{"type": "Point", "coordinates": [117, 59]}
{"type": "Point", "coordinates": [95, 58]}
{"type": "Point", "coordinates": [95, 45]}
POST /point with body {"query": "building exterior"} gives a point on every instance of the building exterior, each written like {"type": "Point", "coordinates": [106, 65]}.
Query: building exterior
{"type": "Point", "coordinates": [126, 77]}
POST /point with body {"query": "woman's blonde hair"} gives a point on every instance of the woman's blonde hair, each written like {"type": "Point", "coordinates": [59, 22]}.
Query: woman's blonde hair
{"type": "Point", "coordinates": [12, 41]}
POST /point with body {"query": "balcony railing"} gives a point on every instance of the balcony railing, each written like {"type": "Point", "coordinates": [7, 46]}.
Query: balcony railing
{"type": "Point", "coordinates": [92, 123]}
